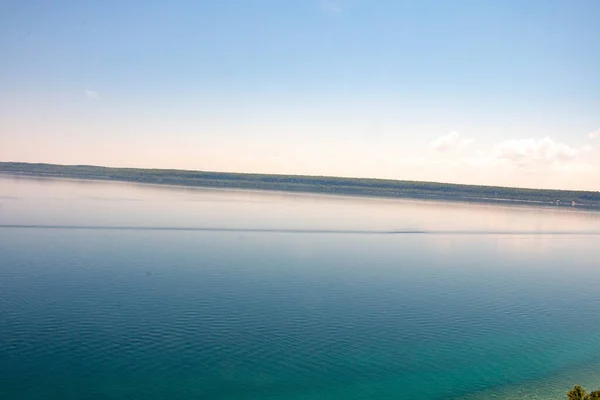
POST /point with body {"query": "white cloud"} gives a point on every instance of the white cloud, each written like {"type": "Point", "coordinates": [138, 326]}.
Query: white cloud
{"type": "Point", "coordinates": [92, 94]}
{"type": "Point", "coordinates": [452, 140]}
{"type": "Point", "coordinates": [594, 135]}
{"type": "Point", "coordinates": [534, 153]}
{"type": "Point", "coordinates": [330, 6]}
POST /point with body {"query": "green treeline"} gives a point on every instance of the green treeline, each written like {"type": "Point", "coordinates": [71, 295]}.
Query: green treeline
{"type": "Point", "coordinates": [313, 184]}
{"type": "Point", "coordinates": [579, 393]}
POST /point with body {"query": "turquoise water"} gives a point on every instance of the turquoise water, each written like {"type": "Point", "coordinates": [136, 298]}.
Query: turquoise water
{"type": "Point", "coordinates": [289, 297]}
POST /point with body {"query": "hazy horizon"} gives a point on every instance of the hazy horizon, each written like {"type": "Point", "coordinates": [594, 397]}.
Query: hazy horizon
{"type": "Point", "coordinates": [259, 173]}
{"type": "Point", "coordinates": [500, 94]}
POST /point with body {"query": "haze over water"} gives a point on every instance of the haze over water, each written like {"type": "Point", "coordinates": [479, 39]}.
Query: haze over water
{"type": "Point", "coordinates": [118, 291]}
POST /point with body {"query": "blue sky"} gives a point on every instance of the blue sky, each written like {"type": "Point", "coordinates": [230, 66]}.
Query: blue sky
{"type": "Point", "coordinates": [486, 92]}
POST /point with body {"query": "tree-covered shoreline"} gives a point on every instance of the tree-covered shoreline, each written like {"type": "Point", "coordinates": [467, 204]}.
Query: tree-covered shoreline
{"type": "Point", "coordinates": [579, 393]}
{"type": "Point", "coordinates": [313, 184]}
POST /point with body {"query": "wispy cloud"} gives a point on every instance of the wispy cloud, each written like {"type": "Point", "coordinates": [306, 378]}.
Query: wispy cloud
{"type": "Point", "coordinates": [595, 134]}
{"type": "Point", "coordinates": [518, 156]}
{"type": "Point", "coordinates": [451, 141]}
{"type": "Point", "coordinates": [92, 94]}
{"type": "Point", "coordinates": [540, 153]}
{"type": "Point", "coordinates": [330, 6]}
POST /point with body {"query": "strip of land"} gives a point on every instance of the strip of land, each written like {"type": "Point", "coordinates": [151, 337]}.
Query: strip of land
{"type": "Point", "coordinates": [313, 184]}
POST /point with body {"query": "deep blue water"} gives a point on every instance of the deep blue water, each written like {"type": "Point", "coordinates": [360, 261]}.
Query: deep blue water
{"type": "Point", "coordinates": [491, 300]}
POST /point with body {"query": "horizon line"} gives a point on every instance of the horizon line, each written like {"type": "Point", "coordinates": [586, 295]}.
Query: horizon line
{"type": "Point", "coordinates": [298, 175]}
{"type": "Point", "coordinates": [302, 231]}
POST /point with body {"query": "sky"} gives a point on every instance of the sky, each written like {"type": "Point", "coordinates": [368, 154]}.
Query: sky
{"type": "Point", "coordinates": [479, 92]}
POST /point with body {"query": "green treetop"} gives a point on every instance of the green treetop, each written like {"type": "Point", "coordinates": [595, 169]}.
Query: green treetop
{"type": "Point", "coordinates": [579, 393]}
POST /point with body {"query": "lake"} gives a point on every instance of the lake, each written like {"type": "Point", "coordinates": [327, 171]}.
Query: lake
{"type": "Point", "coordinates": [122, 291]}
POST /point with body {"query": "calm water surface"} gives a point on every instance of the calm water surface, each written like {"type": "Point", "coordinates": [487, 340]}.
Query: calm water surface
{"type": "Point", "coordinates": [120, 291]}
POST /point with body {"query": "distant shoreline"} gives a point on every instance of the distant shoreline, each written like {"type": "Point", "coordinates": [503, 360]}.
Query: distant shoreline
{"type": "Point", "coordinates": [314, 184]}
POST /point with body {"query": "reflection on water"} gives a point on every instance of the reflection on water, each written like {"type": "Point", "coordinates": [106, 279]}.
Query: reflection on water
{"type": "Point", "coordinates": [67, 202]}
{"type": "Point", "coordinates": [248, 312]}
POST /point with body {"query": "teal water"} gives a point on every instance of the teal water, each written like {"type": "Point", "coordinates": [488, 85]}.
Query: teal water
{"type": "Point", "coordinates": [289, 297]}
